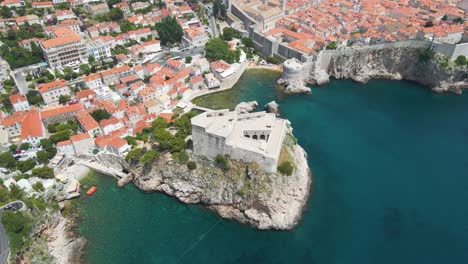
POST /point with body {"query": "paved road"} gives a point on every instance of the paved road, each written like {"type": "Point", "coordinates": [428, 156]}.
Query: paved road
{"type": "Point", "coordinates": [213, 27]}
{"type": "Point", "coordinates": [18, 76]}
{"type": "Point", "coordinates": [4, 245]}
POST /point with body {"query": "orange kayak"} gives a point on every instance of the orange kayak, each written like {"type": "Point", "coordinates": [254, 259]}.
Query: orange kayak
{"type": "Point", "coordinates": [92, 190]}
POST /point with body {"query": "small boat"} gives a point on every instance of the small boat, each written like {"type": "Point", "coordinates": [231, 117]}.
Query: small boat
{"type": "Point", "coordinates": [92, 190]}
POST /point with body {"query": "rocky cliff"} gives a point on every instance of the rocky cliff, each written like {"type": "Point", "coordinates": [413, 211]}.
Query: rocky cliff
{"type": "Point", "coordinates": [402, 63]}
{"type": "Point", "coordinates": [243, 192]}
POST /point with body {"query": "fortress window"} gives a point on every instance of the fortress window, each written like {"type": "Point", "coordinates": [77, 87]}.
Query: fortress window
{"type": "Point", "coordinates": [262, 137]}
{"type": "Point", "coordinates": [255, 137]}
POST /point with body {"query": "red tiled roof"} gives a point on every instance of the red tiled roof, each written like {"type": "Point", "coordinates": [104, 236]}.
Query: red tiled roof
{"type": "Point", "coordinates": [62, 110]}
{"type": "Point", "coordinates": [45, 87]}
{"type": "Point", "coordinates": [64, 143]}
{"type": "Point", "coordinates": [17, 98]}
{"type": "Point", "coordinates": [79, 137]}
{"type": "Point", "coordinates": [32, 125]}
{"type": "Point", "coordinates": [86, 120]}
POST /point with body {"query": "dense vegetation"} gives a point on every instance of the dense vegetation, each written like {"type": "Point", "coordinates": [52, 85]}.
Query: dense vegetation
{"type": "Point", "coordinates": [218, 49]}
{"type": "Point", "coordinates": [162, 141]}
{"type": "Point", "coordinates": [169, 31]}
{"type": "Point", "coordinates": [100, 114]}
{"type": "Point", "coordinates": [286, 168]}
{"type": "Point", "coordinates": [17, 56]}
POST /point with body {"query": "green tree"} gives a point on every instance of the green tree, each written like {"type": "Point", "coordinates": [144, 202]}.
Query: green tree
{"type": "Point", "coordinates": [116, 14]}
{"type": "Point", "coordinates": [44, 172]}
{"type": "Point", "coordinates": [286, 168]}
{"type": "Point", "coordinates": [4, 195]}
{"type": "Point", "coordinates": [331, 45]}
{"type": "Point", "coordinates": [34, 97]}
{"type": "Point", "coordinates": [169, 31]}
{"type": "Point", "coordinates": [218, 49]}
{"type": "Point", "coordinates": [429, 23]}
{"type": "Point", "coordinates": [60, 136]}
{"type": "Point", "coordinates": [16, 193]}
{"type": "Point", "coordinates": [63, 99]}
{"type": "Point", "coordinates": [159, 123]}
{"type": "Point", "coordinates": [100, 114]}
{"type": "Point", "coordinates": [18, 227]}
{"type": "Point", "coordinates": [426, 54]}
{"type": "Point", "coordinates": [222, 162]}
{"type": "Point", "coordinates": [62, 6]}
{"type": "Point", "coordinates": [25, 165]}
{"type": "Point", "coordinates": [182, 156]}
{"type": "Point", "coordinates": [133, 156]}
{"type": "Point", "coordinates": [42, 156]}
{"type": "Point", "coordinates": [7, 160]}
{"type": "Point", "coordinates": [38, 187]}
{"type": "Point", "coordinates": [5, 12]}
{"type": "Point", "coordinates": [461, 60]}
{"type": "Point", "coordinates": [25, 146]}
{"type": "Point", "coordinates": [458, 20]}
{"type": "Point", "coordinates": [228, 33]}
{"type": "Point", "coordinates": [248, 42]}
{"type": "Point", "coordinates": [273, 60]}
{"type": "Point", "coordinates": [13, 148]}
{"type": "Point", "coordinates": [149, 157]}
{"type": "Point", "coordinates": [85, 69]}
{"type": "Point", "coordinates": [191, 165]}
{"type": "Point", "coordinates": [188, 59]}
{"type": "Point", "coordinates": [444, 18]}
{"type": "Point", "coordinates": [45, 143]}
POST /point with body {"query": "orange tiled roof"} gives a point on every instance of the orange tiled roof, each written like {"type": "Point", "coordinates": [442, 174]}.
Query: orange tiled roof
{"type": "Point", "coordinates": [86, 120]}
{"type": "Point", "coordinates": [32, 125]}
{"type": "Point", "coordinates": [45, 87]}
{"type": "Point", "coordinates": [79, 137]}
{"type": "Point", "coordinates": [62, 110]}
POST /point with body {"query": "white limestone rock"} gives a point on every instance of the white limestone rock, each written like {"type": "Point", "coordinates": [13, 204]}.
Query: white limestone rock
{"type": "Point", "coordinates": [243, 193]}
{"type": "Point", "coordinates": [272, 107]}
{"type": "Point", "coordinates": [246, 107]}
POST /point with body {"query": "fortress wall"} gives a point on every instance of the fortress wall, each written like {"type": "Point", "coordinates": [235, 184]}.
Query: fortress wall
{"type": "Point", "coordinates": [460, 49]}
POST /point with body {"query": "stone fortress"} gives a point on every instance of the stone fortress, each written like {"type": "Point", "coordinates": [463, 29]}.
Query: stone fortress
{"type": "Point", "coordinates": [251, 137]}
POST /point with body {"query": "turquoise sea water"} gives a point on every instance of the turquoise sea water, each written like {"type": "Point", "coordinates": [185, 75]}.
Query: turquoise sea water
{"type": "Point", "coordinates": [390, 168]}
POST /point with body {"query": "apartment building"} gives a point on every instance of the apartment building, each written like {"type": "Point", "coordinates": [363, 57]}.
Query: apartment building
{"type": "Point", "coordinates": [65, 49]}
{"type": "Point", "coordinates": [98, 49]}
{"type": "Point", "coordinates": [52, 91]}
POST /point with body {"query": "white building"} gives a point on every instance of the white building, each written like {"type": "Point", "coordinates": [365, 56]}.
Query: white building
{"type": "Point", "coordinates": [195, 36]}
{"type": "Point", "coordinates": [211, 81]}
{"type": "Point", "coordinates": [82, 143]}
{"type": "Point", "coordinates": [93, 81]}
{"type": "Point", "coordinates": [19, 102]}
{"type": "Point", "coordinates": [66, 49]}
{"type": "Point", "coordinates": [252, 137]}
{"type": "Point", "coordinates": [98, 49]}
{"type": "Point", "coordinates": [65, 147]}
{"type": "Point", "coordinates": [52, 91]}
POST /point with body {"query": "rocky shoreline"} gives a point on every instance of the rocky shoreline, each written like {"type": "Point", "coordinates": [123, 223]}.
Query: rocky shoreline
{"type": "Point", "coordinates": [363, 65]}
{"type": "Point", "coordinates": [64, 244]}
{"type": "Point", "coordinates": [243, 193]}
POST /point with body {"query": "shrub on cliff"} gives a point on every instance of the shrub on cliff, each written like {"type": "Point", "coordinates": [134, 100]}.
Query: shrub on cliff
{"type": "Point", "coordinates": [133, 156]}
{"type": "Point", "coordinates": [461, 61]}
{"type": "Point", "coordinates": [191, 165]}
{"type": "Point", "coordinates": [18, 226]}
{"type": "Point", "coordinates": [286, 168]}
{"type": "Point", "coordinates": [149, 157]}
{"type": "Point", "coordinates": [222, 162]}
{"type": "Point", "coordinates": [44, 172]}
{"type": "Point", "coordinates": [426, 54]}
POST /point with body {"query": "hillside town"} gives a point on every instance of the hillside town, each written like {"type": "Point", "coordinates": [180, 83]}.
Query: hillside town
{"type": "Point", "coordinates": [84, 78]}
